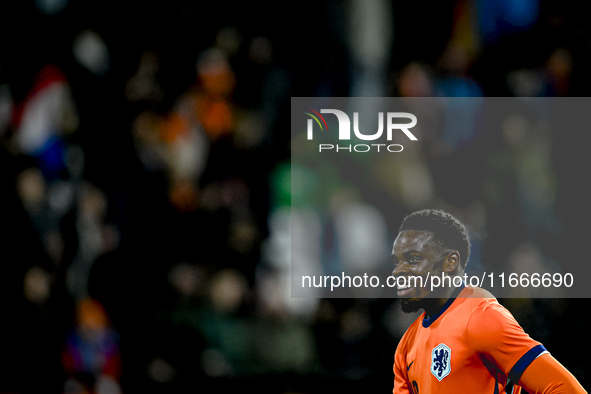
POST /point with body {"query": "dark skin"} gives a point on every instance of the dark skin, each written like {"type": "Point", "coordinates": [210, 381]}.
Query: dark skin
{"type": "Point", "coordinates": [415, 253]}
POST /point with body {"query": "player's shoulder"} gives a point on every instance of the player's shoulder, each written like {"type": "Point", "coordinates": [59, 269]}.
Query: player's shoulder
{"type": "Point", "coordinates": [477, 303]}
{"type": "Point", "coordinates": [484, 309]}
{"type": "Point", "coordinates": [476, 297]}
{"type": "Point", "coordinates": [476, 293]}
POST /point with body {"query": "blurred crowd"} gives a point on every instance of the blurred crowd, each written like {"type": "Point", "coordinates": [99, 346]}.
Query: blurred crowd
{"type": "Point", "coordinates": [147, 185]}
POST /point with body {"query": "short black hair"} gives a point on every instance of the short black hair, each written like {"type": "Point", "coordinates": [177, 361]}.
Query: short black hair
{"type": "Point", "coordinates": [447, 231]}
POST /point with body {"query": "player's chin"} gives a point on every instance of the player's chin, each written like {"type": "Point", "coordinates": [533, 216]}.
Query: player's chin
{"type": "Point", "coordinates": [411, 305]}
{"type": "Point", "coordinates": [415, 300]}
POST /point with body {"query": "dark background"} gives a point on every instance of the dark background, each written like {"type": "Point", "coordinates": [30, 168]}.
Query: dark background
{"type": "Point", "coordinates": [173, 260]}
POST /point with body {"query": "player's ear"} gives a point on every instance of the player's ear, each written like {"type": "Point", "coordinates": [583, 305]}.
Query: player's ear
{"type": "Point", "coordinates": [452, 262]}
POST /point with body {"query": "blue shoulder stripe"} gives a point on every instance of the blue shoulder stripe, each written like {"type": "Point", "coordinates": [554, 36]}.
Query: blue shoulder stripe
{"type": "Point", "coordinates": [525, 361]}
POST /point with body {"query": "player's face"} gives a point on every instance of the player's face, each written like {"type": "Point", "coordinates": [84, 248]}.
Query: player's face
{"type": "Point", "coordinates": [415, 254]}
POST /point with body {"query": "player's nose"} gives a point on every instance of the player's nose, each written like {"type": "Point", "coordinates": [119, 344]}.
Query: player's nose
{"type": "Point", "coordinates": [400, 269]}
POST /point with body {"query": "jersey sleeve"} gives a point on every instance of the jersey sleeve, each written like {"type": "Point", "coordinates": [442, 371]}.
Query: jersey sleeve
{"type": "Point", "coordinates": [495, 336]}
{"type": "Point", "coordinates": [401, 385]}
{"type": "Point", "coordinates": [545, 375]}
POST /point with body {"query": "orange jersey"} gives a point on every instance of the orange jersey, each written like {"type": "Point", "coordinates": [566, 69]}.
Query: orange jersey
{"type": "Point", "coordinates": [473, 345]}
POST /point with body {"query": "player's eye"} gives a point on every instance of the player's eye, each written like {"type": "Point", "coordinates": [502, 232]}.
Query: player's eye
{"type": "Point", "coordinates": [414, 259]}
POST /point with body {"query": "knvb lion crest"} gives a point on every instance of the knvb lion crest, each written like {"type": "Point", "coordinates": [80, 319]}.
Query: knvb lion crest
{"type": "Point", "coordinates": [441, 361]}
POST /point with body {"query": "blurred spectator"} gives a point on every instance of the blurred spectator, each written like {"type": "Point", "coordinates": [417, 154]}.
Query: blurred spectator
{"type": "Point", "coordinates": [44, 118]}
{"type": "Point", "coordinates": [91, 355]}
{"type": "Point", "coordinates": [370, 39]}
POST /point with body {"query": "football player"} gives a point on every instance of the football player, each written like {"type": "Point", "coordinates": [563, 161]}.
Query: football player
{"type": "Point", "coordinates": [465, 341]}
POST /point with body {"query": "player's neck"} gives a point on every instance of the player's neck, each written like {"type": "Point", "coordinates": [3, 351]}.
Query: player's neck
{"type": "Point", "coordinates": [434, 305]}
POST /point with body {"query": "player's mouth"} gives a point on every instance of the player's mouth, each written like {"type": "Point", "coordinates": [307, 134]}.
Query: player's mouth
{"type": "Point", "coordinates": [404, 290]}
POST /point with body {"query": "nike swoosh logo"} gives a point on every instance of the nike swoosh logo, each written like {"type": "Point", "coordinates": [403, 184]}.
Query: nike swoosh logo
{"type": "Point", "coordinates": [407, 368]}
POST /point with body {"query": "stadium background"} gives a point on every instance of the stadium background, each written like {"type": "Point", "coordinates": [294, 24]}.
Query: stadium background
{"type": "Point", "coordinates": [145, 158]}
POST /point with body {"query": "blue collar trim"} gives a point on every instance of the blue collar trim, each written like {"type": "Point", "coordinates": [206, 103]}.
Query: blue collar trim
{"type": "Point", "coordinates": [427, 321]}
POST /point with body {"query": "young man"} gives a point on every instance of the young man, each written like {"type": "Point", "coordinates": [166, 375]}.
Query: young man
{"type": "Point", "coordinates": [465, 341]}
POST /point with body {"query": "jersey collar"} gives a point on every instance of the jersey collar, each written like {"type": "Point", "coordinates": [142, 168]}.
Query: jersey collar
{"type": "Point", "coordinates": [427, 321]}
